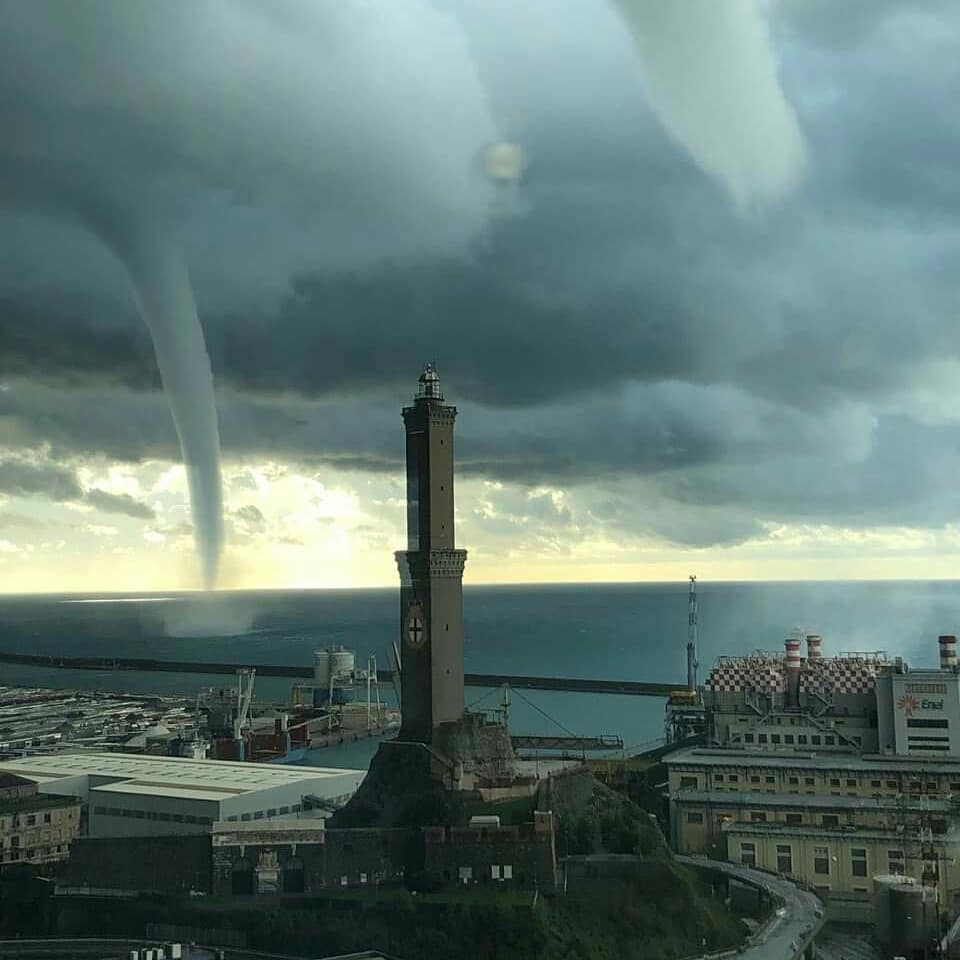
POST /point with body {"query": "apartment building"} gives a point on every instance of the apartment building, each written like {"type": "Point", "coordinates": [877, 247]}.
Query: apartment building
{"type": "Point", "coordinates": [34, 828]}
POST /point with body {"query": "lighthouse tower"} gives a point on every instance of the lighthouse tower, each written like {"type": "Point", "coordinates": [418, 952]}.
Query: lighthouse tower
{"type": "Point", "coordinates": [431, 571]}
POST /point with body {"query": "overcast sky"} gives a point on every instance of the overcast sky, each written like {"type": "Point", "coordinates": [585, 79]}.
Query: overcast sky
{"type": "Point", "coordinates": [711, 326]}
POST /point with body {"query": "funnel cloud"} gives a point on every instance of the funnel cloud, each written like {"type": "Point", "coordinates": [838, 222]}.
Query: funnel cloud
{"type": "Point", "coordinates": [711, 79]}
{"type": "Point", "coordinates": [165, 301]}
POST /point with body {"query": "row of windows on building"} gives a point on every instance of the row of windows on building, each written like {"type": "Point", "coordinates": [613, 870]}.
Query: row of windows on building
{"type": "Point", "coordinates": [29, 854]}
{"type": "Point", "coordinates": [822, 860]}
{"type": "Point", "coordinates": [190, 818]}
{"type": "Point", "coordinates": [267, 814]}
{"type": "Point", "coordinates": [28, 820]}
{"type": "Point", "coordinates": [798, 740]}
{"type": "Point", "coordinates": [827, 820]}
{"type": "Point", "coordinates": [151, 815]}
{"type": "Point", "coordinates": [913, 786]}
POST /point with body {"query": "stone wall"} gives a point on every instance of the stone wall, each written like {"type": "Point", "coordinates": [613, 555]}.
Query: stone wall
{"type": "Point", "coordinates": [174, 864]}
{"type": "Point", "coordinates": [519, 856]}
{"type": "Point", "coordinates": [271, 865]}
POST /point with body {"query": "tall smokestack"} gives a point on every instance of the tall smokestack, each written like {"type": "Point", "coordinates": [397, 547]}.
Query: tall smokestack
{"type": "Point", "coordinates": [792, 671]}
{"type": "Point", "coordinates": [948, 652]}
{"type": "Point", "coordinates": [814, 642]}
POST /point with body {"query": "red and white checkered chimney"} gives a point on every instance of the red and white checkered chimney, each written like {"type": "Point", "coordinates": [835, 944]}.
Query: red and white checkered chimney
{"type": "Point", "coordinates": [948, 652]}
{"type": "Point", "coordinates": [792, 671]}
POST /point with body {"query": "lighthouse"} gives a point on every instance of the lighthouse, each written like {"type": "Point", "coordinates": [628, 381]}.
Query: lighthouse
{"type": "Point", "coordinates": [431, 570]}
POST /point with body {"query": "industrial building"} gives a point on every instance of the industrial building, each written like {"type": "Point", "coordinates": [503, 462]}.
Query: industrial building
{"type": "Point", "coordinates": [832, 770]}
{"type": "Point", "coordinates": [34, 828]}
{"type": "Point", "coordinates": [125, 795]}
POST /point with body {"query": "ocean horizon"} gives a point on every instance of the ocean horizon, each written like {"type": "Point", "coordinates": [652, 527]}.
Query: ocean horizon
{"type": "Point", "coordinates": [634, 631]}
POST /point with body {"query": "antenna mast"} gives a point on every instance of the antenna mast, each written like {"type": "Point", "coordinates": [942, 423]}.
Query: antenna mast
{"type": "Point", "coordinates": [692, 662]}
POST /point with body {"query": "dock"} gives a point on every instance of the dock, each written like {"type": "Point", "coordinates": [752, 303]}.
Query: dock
{"type": "Point", "coordinates": [634, 688]}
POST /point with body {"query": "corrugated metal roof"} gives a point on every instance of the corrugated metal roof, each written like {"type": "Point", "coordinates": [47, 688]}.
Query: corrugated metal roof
{"type": "Point", "coordinates": [238, 777]}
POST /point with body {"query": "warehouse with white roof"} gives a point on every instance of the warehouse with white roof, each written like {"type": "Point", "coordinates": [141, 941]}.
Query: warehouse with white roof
{"type": "Point", "coordinates": [127, 795]}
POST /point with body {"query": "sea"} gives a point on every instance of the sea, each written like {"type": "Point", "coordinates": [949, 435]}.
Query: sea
{"type": "Point", "coordinates": [612, 631]}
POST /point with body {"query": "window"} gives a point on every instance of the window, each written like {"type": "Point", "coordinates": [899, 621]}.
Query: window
{"type": "Point", "coordinates": [284, 810]}
{"type": "Point", "coordinates": [757, 816]}
{"type": "Point", "coordinates": [748, 854]}
{"type": "Point", "coordinates": [834, 781]}
{"type": "Point", "coordinates": [808, 781]}
{"type": "Point", "coordinates": [802, 739]}
{"type": "Point", "coordinates": [754, 779]}
{"type": "Point", "coordinates": [851, 783]}
{"type": "Point", "coordinates": [876, 783]}
{"type": "Point", "coordinates": [688, 783]}
{"type": "Point", "coordinates": [771, 779]}
{"type": "Point", "coordinates": [258, 815]}
{"type": "Point", "coordinates": [774, 737]}
{"type": "Point", "coordinates": [895, 861]}
{"type": "Point", "coordinates": [922, 722]}
{"type": "Point", "coordinates": [748, 738]}
{"type": "Point", "coordinates": [794, 781]}
{"type": "Point", "coordinates": [815, 740]}
{"type": "Point", "coordinates": [761, 738]}
{"type": "Point", "coordinates": [465, 874]}
{"type": "Point", "coordinates": [829, 740]}
{"type": "Point", "coordinates": [794, 819]}
{"type": "Point", "coordinates": [891, 784]}
{"type": "Point", "coordinates": [821, 861]}
{"type": "Point", "coordinates": [830, 820]}
{"type": "Point", "coordinates": [694, 817]}
{"type": "Point", "coordinates": [31, 820]}
{"type": "Point", "coordinates": [732, 778]}
{"type": "Point", "coordinates": [954, 786]}
{"type": "Point", "coordinates": [272, 812]}
{"type": "Point", "coordinates": [718, 777]}
{"type": "Point", "coordinates": [784, 858]}
{"type": "Point", "coordinates": [788, 738]}
{"type": "Point", "coordinates": [495, 871]}
{"type": "Point", "coordinates": [858, 862]}
{"type": "Point", "coordinates": [46, 818]}
{"type": "Point", "coordinates": [508, 871]}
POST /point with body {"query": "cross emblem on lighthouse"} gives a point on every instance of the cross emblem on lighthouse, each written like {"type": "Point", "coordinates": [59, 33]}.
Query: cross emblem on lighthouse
{"type": "Point", "coordinates": [415, 628]}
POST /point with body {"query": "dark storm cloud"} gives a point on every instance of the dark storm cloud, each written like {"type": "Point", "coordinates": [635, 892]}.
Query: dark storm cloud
{"type": "Point", "coordinates": [121, 503]}
{"type": "Point", "coordinates": [64, 343]}
{"type": "Point", "coordinates": [621, 325]}
{"type": "Point", "coordinates": [21, 478]}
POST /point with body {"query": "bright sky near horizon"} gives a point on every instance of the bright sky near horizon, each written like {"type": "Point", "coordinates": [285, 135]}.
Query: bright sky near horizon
{"type": "Point", "coordinates": [705, 319]}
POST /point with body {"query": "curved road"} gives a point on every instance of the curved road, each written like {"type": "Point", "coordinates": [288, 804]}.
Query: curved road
{"type": "Point", "coordinates": [788, 935]}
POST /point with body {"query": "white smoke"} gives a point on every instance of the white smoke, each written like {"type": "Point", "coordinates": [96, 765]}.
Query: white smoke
{"type": "Point", "coordinates": [711, 78]}
{"type": "Point", "coordinates": [165, 300]}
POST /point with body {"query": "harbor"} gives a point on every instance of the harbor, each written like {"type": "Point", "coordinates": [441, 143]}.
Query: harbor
{"type": "Point", "coordinates": [342, 704]}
